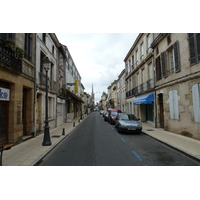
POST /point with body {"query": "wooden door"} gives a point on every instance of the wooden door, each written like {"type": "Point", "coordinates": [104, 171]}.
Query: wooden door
{"type": "Point", "coordinates": [3, 122]}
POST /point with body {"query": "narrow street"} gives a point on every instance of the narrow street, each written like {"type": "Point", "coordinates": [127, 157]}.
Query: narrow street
{"type": "Point", "coordinates": [97, 143]}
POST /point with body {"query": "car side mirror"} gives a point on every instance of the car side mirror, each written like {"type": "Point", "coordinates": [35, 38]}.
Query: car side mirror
{"type": "Point", "coordinates": [138, 119]}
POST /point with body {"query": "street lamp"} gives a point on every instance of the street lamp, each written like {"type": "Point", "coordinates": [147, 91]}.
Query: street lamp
{"type": "Point", "coordinates": [46, 140]}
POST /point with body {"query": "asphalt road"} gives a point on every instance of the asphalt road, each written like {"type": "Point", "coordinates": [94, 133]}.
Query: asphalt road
{"type": "Point", "coordinates": [96, 143]}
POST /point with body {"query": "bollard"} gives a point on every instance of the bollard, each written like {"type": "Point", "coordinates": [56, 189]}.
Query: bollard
{"type": "Point", "coordinates": [74, 124]}
{"type": "Point", "coordinates": [63, 132]}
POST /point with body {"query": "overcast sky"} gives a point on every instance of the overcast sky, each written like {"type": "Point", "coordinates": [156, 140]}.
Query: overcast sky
{"type": "Point", "coordinates": [99, 57]}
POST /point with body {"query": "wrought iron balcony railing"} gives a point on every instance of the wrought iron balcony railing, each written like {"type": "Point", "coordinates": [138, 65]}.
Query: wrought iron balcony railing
{"type": "Point", "coordinates": [9, 59]}
{"type": "Point", "coordinates": [52, 85]}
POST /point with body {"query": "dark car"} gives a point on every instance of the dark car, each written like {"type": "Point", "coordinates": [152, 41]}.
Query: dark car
{"type": "Point", "coordinates": [112, 115]}
{"type": "Point", "coordinates": [127, 123]}
{"type": "Point", "coordinates": [106, 116]}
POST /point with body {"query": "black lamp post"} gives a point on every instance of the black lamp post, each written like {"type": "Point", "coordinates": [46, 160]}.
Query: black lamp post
{"type": "Point", "coordinates": [46, 140]}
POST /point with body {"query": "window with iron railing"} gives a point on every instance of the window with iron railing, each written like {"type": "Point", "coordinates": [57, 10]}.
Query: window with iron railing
{"type": "Point", "coordinates": [28, 46]}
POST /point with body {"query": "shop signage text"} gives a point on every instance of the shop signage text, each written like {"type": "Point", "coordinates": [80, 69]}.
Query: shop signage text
{"type": "Point", "coordinates": [4, 94]}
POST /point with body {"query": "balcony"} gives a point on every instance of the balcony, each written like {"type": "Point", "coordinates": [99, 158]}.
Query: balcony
{"type": "Point", "coordinates": [8, 58]}
{"type": "Point", "coordinates": [142, 88]}
{"type": "Point", "coordinates": [51, 83]}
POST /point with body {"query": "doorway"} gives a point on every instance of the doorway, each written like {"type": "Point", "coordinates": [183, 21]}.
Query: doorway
{"type": "Point", "coordinates": [3, 122]}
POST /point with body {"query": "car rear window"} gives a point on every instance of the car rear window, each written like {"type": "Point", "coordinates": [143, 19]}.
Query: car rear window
{"type": "Point", "coordinates": [114, 113]}
{"type": "Point", "coordinates": [132, 117]}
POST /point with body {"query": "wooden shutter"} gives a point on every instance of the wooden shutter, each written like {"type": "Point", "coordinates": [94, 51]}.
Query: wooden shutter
{"type": "Point", "coordinates": [158, 69]}
{"type": "Point", "coordinates": [196, 102]}
{"type": "Point", "coordinates": [164, 66]}
{"type": "Point", "coordinates": [198, 46]}
{"type": "Point", "coordinates": [177, 57]}
{"type": "Point", "coordinates": [192, 48]}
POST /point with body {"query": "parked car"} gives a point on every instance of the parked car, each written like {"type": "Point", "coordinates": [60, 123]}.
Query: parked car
{"type": "Point", "coordinates": [106, 116]}
{"type": "Point", "coordinates": [101, 112]}
{"type": "Point", "coordinates": [112, 115]}
{"type": "Point", "coordinates": [127, 123]}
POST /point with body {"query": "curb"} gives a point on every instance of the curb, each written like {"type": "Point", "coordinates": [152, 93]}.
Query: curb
{"type": "Point", "coordinates": [37, 161]}
{"type": "Point", "coordinates": [176, 148]}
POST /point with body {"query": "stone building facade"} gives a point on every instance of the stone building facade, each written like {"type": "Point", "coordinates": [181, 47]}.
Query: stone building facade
{"type": "Point", "coordinates": [121, 91]}
{"type": "Point", "coordinates": [140, 79]}
{"type": "Point", "coordinates": [177, 67]}
{"type": "Point", "coordinates": [17, 85]}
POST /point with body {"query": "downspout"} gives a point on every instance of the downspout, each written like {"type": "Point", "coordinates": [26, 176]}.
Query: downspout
{"type": "Point", "coordinates": [35, 91]}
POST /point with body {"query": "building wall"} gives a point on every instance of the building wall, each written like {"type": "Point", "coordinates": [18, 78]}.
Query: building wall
{"type": "Point", "coordinates": [47, 50]}
{"type": "Point", "coordinates": [139, 75]}
{"type": "Point", "coordinates": [21, 104]}
{"type": "Point", "coordinates": [182, 118]}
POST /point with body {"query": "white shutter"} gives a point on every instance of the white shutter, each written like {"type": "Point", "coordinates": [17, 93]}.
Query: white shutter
{"type": "Point", "coordinates": [196, 101]}
{"type": "Point", "coordinates": [176, 112]}
{"type": "Point", "coordinates": [173, 103]}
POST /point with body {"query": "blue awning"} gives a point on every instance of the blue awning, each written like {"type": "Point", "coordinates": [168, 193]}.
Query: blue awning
{"type": "Point", "coordinates": [145, 99]}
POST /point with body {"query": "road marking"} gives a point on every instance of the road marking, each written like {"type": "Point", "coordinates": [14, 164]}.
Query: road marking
{"type": "Point", "coordinates": [118, 134]}
{"type": "Point", "coordinates": [138, 157]}
{"type": "Point", "coordinates": [123, 140]}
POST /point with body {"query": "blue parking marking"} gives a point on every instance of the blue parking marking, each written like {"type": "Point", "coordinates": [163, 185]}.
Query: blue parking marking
{"type": "Point", "coordinates": [118, 134]}
{"type": "Point", "coordinates": [123, 140]}
{"type": "Point", "coordinates": [138, 157]}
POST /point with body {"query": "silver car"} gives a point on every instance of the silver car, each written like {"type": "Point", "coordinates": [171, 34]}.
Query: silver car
{"type": "Point", "coordinates": [127, 123]}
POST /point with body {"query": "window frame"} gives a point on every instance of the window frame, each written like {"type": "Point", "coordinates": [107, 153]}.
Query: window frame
{"type": "Point", "coordinates": [194, 48]}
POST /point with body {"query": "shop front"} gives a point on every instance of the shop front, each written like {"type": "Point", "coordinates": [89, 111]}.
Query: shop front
{"type": "Point", "coordinates": [146, 107]}
{"type": "Point", "coordinates": [4, 105]}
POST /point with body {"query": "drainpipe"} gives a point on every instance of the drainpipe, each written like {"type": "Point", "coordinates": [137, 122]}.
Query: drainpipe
{"type": "Point", "coordinates": [35, 96]}
{"type": "Point", "coordinates": [155, 97]}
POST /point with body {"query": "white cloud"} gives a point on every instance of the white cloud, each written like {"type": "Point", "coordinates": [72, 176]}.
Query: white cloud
{"type": "Point", "coordinates": [98, 57]}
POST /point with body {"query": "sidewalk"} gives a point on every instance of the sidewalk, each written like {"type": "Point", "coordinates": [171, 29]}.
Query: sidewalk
{"type": "Point", "coordinates": [29, 152]}
{"type": "Point", "coordinates": [185, 144]}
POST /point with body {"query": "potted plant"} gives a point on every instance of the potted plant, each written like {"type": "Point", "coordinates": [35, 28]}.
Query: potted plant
{"type": "Point", "coordinates": [19, 52]}
{"type": "Point", "coordinates": [10, 44]}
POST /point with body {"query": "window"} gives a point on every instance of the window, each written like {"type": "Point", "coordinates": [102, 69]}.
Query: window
{"type": "Point", "coordinates": [149, 41]}
{"type": "Point", "coordinates": [129, 65]}
{"type": "Point", "coordinates": [174, 59]}
{"type": "Point", "coordinates": [194, 46]}
{"type": "Point", "coordinates": [150, 82]}
{"type": "Point", "coordinates": [44, 37]}
{"type": "Point", "coordinates": [142, 51]}
{"type": "Point", "coordinates": [157, 51]}
{"type": "Point", "coordinates": [28, 46]}
{"type": "Point", "coordinates": [133, 62]}
{"type": "Point", "coordinates": [164, 64]}
{"type": "Point", "coordinates": [158, 69]}
{"type": "Point", "coordinates": [53, 50]}
{"type": "Point", "coordinates": [169, 39]}
{"type": "Point", "coordinates": [136, 57]}
{"type": "Point", "coordinates": [173, 104]}
{"type": "Point", "coordinates": [196, 101]}
{"type": "Point", "coordinates": [7, 36]}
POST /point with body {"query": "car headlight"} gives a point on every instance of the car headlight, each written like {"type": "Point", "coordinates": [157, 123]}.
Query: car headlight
{"type": "Point", "coordinates": [123, 125]}
{"type": "Point", "coordinates": [139, 126]}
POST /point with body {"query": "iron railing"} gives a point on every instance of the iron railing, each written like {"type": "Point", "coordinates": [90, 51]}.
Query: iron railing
{"type": "Point", "coordinates": [9, 59]}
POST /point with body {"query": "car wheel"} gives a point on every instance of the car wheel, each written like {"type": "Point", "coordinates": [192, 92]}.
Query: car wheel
{"type": "Point", "coordinates": [119, 131]}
